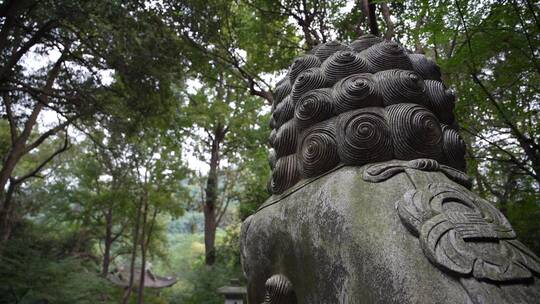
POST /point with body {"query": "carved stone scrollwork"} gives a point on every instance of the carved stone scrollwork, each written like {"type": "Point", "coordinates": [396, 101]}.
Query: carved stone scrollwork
{"type": "Point", "coordinates": [282, 90]}
{"type": "Point", "coordinates": [279, 290]}
{"type": "Point", "coordinates": [426, 67]}
{"type": "Point", "coordinates": [393, 102]}
{"type": "Point", "coordinates": [313, 107]}
{"type": "Point", "coordinates": [364, 136]}
{"type": "Point", "coordinates": [400, 86]}
{"type": "Point", "coordinates": [415, 131]}
{"type": "Point", "coordinates": [285, 174]}
{"type": "Point", "coordinates": [308, 80]}
{"type": "Point", "coordinates": [284, 112]}
{"type": "Point", "coordinates": [342, 64]}
{"type": "Point", "coordinates": [441, 100]}
{"type": "Point", "coordinates": [301, 64]}
{"type": "Point", "coordinates": [318, 150]}
{"type": "Point", "coordinates": [380, 172]}
{"type": "Point", "coordinates": [285, 139]}
{"type": "Point", "coordinates": [387, 55]}
{"type": "Point", "coordinates": [325, 50]}
{"type": "Point", "coordinates": [364, 42]}
{"type": "Point", "coordinates": [465, 235]}
{"type": "Point", "coordinates": [374, 104]}
{"type": "Point", "coordinates": [354, 92]}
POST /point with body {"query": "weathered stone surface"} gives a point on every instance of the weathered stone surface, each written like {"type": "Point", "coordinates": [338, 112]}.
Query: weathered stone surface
{"type": "Point", "coordinates": [392, 105]}
{"type": "Point", "coordinates": [340, 239]}
{"type": "Point", "coordinates": [403, 228]}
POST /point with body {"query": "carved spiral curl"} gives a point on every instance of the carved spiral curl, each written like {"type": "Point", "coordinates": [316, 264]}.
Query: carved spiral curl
{"type": "Point", "coordinates": [416, 132]}
{"type": "Point", "coordinates": [285, 174]}
{"type": "Point", "coordinates": [364, 42]}
{"type": "Point", "coordinates": [354, 92]}
{"type": "Point", "coordinates": [279, 290]}
{"type": "Point", "coordinates": [283, 112]}
{"type": "Point", "coordinates": [399, 86]}
{"type": "Point", "coordinates": [269, 185]}
{"type": "Point", "coordinates": [318, 149]}
{"type": "Point", "coordinates": [272, 137]}
{"type": "Point", "coordinates": [301, 64]}
{"type": "Point", "coordinates": [286, 139]}
{"type": "Point", "coordinates": [441, 101]}
{"type": "Point", "coordinates": [342, 64]}
{"type": "Point", "coordinates": [283, 89]}
{"type": "Point", "coordinates": [426, 67]}
{"type": "Point", "coordinates": [272, 122]}
{"type": "Point", "coordinates": [325, 50]}
{"type": "Point", "coordinates": [364, 131]}
{"type": "Point", "coordinates": [453, 148]}
{"type": "Point", "coordinates": [313, 107]}
{"type": "Point", "coordinates": [308, 80]}
{"type": "Point", "coordinates": [363, 136]}
{"type": "Point", "coordinates": [387, 55]}
{"type": "Point", "coordinates": [272, 158]}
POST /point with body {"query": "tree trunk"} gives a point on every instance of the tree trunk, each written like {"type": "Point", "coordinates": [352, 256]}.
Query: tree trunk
{"type": "Point", "coordinates": [108, 242]}
{"type": "Point", "coordinates": [211, 197]}
{"type": "Point", "coordinates": [373, 27]}
{"type": "Point", "coordinates": [389, 24]}
{"type": "Point", "coordinates": [6, 215]}
{"type": "Point", "coordinates": [209, 233]}
{"type": "Point", "coordinates": [210, 207]}
{"type": "Point", "coordinates": [140, 291]}
{"type": "Point", "coordinates": [134, 252]}
{"type": "Point", "coordinates": [6, 208]}
{"type": "Point", "coordinates": [370, 8]}
{"type": "Point", "coordinates": [19, 144]}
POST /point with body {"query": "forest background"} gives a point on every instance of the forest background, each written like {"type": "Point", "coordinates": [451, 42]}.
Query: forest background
{"type": "Point", "coordinates": [135, 132]}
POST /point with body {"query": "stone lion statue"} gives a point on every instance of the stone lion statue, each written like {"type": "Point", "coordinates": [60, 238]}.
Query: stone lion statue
{"type": "Point", "coordinates": [370, 202]}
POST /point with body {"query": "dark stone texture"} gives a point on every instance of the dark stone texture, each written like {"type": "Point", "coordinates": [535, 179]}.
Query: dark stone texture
{"type": "Point", "coordinates": [337, 80]}
{"type": "Point", "coordinates": [340, 239]}
{"type": "Point", "coordinates": [404, 227]}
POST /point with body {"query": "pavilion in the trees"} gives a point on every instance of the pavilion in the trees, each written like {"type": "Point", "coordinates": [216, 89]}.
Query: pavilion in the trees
{"type": "Point", "coordinates": [120, 277]}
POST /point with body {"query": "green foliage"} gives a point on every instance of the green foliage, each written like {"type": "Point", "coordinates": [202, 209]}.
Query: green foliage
{"type": "Point", "coordinates": [524, 218]}
{"type": "Point", "coordinates": [197, 282]}
{"type": "Point", "coordinates": [35, 266]}
{"type": "Point", "coordinates": [191, 222]}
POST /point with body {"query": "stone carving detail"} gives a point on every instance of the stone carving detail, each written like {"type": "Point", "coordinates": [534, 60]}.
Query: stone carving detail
{"type": "Point", "coordinates": [465, 235]}
{"type": "Point", "coordinates": [283, 112]}
{"type": "Point", "coordinates": [301, 64]}
{"type": "Point", "coordinates": [355, 92]}
{"type": "Point", "coordinates": [286, 137]}
{"type": "Point", "coordinates": [308, 80]}
{"type": "Point", "coordinates": [415, 131]}
{"type": "Point", "coordinates": [426, 67]}
{"type": "Point", "coordinates": [279, 290]}
{"type": "Point", "coordinates": [342, 64]}
{"type": "Point", "coordinates": [441, 100]}
{"type": "Point", "coordinates": [325, 50]}
{"type": "Point", "coordinates": [399, 86]}
{"type": "Point", "coordinates": [364, 42]}
{"type": "Point", "coordinates": [387, 104]}
{"type": "Point", "coordinates": [374, 104]}
{"type": "Point", "coordinates": [283, 89]}
{"type": "Point", "coordinates": [285, 174]}
{"type": "Point", "coordinates": [380, 172]}
{"type": "Point", "coordinates": [453, 148]}
{"type": "Point", "coordinates": [313, 107]}
{"type": "Point", "coordinates": [387, 55]}
{"type": "Point", "coordinates": [364, 136]}
{"type": "Point", "coordinates": [318, 152]}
